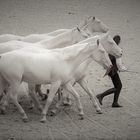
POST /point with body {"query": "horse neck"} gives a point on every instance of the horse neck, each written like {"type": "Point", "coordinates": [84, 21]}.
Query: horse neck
{"type": "Point", "coordinates": [86, 62]}
{"type": "Point", "coordinates": [87, 26]}
{"type": "Point", "coordinates": [59, 41]}
{"type": "Point", "coordinates": [79, 59]}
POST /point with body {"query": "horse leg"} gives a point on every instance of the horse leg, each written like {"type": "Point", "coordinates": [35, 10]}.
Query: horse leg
{"type": "Point", "coordinates": [59, 102]}
{"type": "Point", "coordinates": [70, 88]}
{"type": "Point", "coordinates": [31, 103]}
{"type": "Point", "coordinates": [34, 96]}
{"type": "Point", "coordinates": [13, 93]}
{"type": "Point", "coordinates": [1, 96]}
{"type": "Point", "coordinates": [57, 106]}
{"type": "Point", "coordinates": [4, 103]}
{"type": "Point", "coordinates": [40, 93]}
{"type": "Point", "coordinates": [84, 85]}
{"type": "Point", "coordinates": [53, 90]}
{"type": "Point", "coordinates": [67, 101]}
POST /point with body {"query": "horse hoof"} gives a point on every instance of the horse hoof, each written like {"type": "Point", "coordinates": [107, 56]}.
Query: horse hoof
{"type": "Point", "coordinates": [43, 120]}
{"type": "Point", "coordinates": [25, 120]}
{"type": "Point", "coordinates": [81, 116]}
{"type": "Point", "coordinates": [44, 97]}
{"type": "Point", "coordinates": [99, 111]}
{"type": "Point", "coordinates": [66, 103]}
{"type": "Point", "coordinates": [52, 113]}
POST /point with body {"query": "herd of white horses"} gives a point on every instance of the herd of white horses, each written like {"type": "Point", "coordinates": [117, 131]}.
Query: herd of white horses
{"type": "Point", "coordinates": [59, 58]}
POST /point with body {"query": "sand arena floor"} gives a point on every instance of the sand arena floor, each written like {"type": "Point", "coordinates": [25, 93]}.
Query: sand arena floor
{"type": "Point", "coordinates": [25, 17]}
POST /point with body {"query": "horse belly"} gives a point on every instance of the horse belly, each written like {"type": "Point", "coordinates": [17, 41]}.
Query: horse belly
{"type": "Point", "coordinates": [37, 77]}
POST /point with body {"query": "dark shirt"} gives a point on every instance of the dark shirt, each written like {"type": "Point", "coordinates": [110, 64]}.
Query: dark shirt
{"type": "Point", "coordinates": [114, 67]}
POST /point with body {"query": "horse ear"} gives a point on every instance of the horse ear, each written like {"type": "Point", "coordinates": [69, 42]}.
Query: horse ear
{"type": "Point", "coordinates": [98, 42]}
{"type": "Point", "coordinates": [78, 29]}
{"type": "Point", "coordinates": [93, 18]}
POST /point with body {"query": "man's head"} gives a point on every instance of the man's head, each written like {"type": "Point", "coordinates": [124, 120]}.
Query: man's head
{"type": "Point", "coordinates": [117, 39]}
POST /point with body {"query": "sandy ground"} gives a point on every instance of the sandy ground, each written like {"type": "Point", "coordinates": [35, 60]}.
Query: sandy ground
{"type": "Point", "coordinates": [25, 17]}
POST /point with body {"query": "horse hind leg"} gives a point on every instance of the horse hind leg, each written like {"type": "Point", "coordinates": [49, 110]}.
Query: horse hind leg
{"type": "Point", "coordinates": [40, 93]}
{"type": "Point", "coordinates": [34, 96]}
{"type": "Point", "coordinates": [4, 103]}
{"type": "Point", "coordinates": [13, 93]}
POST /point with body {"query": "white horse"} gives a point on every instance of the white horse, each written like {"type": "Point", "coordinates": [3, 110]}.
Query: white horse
{"type": "Point", "coordinates": [106, 41]}
{"type": "Point", "coordinates": [101, 57]}
{"type": "Point", "coordinates": [65, 39]}
{"type": "Point", "coordinates": [43, 68]}
{"type": "Point", "coordinates": [111, 47]}
{"type": "Point", "coordinates": [90, 24]}
{"type": "Point", "coordinates": [68, 38]}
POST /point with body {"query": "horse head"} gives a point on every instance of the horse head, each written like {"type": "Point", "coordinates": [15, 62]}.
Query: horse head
{"type": "Point", "coordinates": [93, 24]}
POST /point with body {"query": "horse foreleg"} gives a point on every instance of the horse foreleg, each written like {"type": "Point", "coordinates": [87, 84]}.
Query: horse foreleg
{"type": "Point", "coordinates": [53, 90]}
{"type": "Point", "coordinates": [70, 88]}
{"type": "Point", "coordinates": [84, 85]}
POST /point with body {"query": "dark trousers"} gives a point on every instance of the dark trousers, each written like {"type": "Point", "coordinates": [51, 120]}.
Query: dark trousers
{"type": "Point", "coordinates": [117, 88]}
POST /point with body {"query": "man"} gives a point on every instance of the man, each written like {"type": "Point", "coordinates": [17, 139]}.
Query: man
{"type": "Point", "coordinates": [113, 74]}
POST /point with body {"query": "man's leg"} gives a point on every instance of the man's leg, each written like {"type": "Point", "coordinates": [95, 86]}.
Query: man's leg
{"type": "Point", "coordinates": [118, 86]}
{"type": "Point", "coordinates": [102, 95]}
{"type": "Point", "coordinates": [109, 91]}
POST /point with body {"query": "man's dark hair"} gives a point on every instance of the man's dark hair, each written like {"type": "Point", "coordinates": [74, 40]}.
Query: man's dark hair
{"type": "Point", "coordinates": [117, 39]}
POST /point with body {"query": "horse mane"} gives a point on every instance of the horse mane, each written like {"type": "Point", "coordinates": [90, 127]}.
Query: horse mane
{"type": "Point", "coordinates": [70, 52]}
{"type": "Point", "coordinates": [84, 22]}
